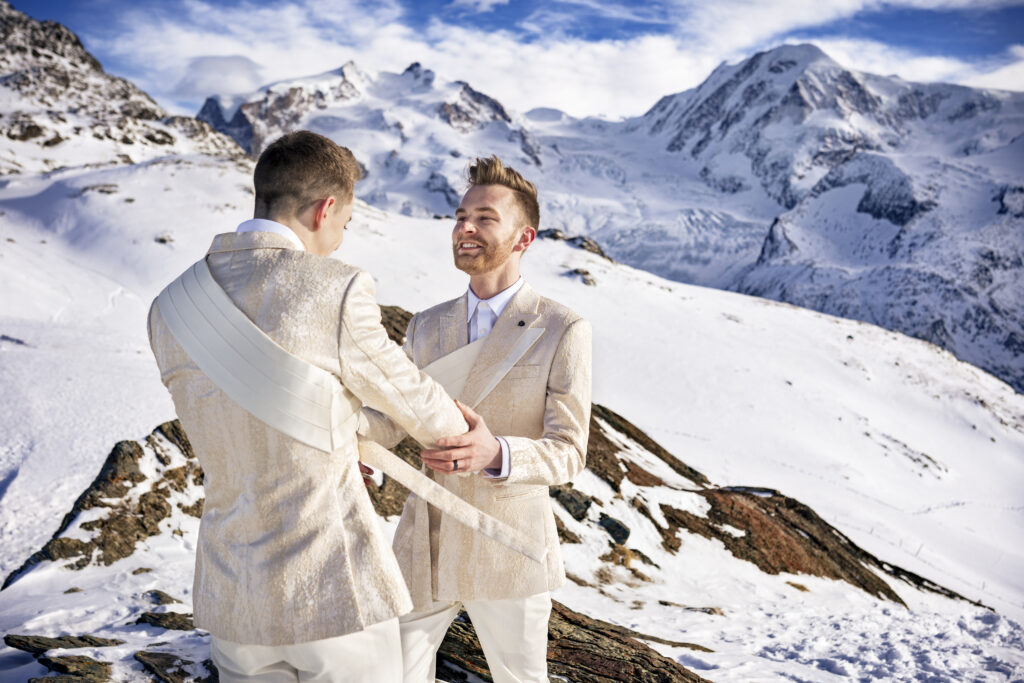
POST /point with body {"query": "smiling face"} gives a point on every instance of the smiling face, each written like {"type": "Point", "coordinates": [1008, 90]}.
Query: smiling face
{"type": "Point", "coordinates": [488, 231]}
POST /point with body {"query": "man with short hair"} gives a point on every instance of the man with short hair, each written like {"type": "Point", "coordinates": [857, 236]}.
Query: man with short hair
{"type": "Point", "coordinates": [528, 361]}
{"type": "Point", "coordinates": [294, 580]}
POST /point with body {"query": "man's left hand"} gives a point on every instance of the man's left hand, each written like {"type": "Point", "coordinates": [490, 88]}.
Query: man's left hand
{"type": "Point", "coordinates": [473, 451]}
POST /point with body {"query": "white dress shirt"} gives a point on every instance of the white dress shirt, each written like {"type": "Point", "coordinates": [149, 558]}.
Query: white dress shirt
{"type": "Point", "coordinates": [481, 316]}
{"type": "Point", "coordinates": [264, 225]}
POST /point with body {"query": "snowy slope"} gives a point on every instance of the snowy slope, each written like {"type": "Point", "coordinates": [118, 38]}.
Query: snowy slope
{"type": "Point", "coordinates": [785, 175]}
{"type": "Point", "coordinates": [913, 454]}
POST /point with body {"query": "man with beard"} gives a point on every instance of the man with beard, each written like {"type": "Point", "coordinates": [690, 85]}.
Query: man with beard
{"type": "Point", "coordinates": [522, 367]}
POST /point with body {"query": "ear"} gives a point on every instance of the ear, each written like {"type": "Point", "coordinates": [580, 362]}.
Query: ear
{"type": "Point", "coordinates": [526, 238]}
{"type": "Point", "coordinates": [321, 212]}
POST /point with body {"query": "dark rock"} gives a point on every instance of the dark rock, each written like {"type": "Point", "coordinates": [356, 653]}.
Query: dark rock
{"type": "Point", "coordinates": [175, 621]}
{"type": "Point", "coordinates": [776, 244]}
{"type": "Point", "coordinates": [12, 340]}
{"type": "Point", "coordinates": [564, 534]}
{"type": "Point", "coordinates": [616, 529]}
{"type": "Point", "coordinates": [438, 183]}
{"type": "Point", "coordinates": [576, 503]}
{"type": "Point", "coordinates": [126, 522]}
{"type": "Point", "coordinates": [627, 428]}
{"type": "Point", "coordinates": [579, 649]}
{"type": "Point", "coordinates": [585, 275]}
{"type": "Point", "coordinates": [38, 645]}
{"type": "Point", "coordinates": [170, 668]}
{"type": "Point", "coordinates": [82, 668]}
{"type": "Point", "coordinates": [395, 320]}
{"type": "Point", "coordinates": [578, 241]}
{"type": "Point", "coordinates": [159, 137]}
{"type": "Point", "coordinates": [158, 597]}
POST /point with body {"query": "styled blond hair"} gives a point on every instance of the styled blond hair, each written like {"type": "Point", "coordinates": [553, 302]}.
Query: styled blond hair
{"type": "Point", "coordinates": [491, 171]}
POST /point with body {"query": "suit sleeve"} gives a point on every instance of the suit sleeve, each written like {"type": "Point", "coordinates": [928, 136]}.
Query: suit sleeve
{"type": "Point", "coordinates": [561, 452]}
{"type": "Point", "coordinates": [375, 425]}
{"type": "Point", "coordinates": [384, 378]}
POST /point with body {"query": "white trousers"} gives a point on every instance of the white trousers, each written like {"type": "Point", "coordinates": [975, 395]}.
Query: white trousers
{"type": "Point", "coordinates": [513, 634]}
{"type": "Point", "coordinates": [373, 655]}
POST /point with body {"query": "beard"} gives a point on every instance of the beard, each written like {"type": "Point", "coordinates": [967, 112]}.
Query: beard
{"type": "Point", "coordinates": [485, 259]}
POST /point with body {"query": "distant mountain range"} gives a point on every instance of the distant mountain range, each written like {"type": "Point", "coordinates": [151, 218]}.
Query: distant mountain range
{"type": "Point", "coordinates": [765, 485]}
{"type": "Point", "coordinates": [786, 176]}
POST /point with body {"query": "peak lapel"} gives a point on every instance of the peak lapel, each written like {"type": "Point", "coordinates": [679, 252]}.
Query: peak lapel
{"type": "Point", "coordinates": [502, 339]}
{"type": "Point", "coordinates": [454, 327]}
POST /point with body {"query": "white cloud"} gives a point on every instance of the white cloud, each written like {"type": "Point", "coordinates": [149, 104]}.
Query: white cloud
{"type": "Point", "coordinates": [1009, 76]}
{"type": "Point", "coordinates": [1006, 72]}
{"type": "Point", "coordinates": [184, 55]}
{"type": "Point", "coordinates": [478, 5]}
{"type": "Point", "coordinates": [229, 75]}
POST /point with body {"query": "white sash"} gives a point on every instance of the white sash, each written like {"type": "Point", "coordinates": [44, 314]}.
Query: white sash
{"type": "Point", "coordinates": [452, 371]}
{"type": "Point", "coordinates": [299, 399]}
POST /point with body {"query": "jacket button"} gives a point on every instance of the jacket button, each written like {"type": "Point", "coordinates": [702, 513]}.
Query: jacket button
{"type": "Point", "coordinates": [522, 324]}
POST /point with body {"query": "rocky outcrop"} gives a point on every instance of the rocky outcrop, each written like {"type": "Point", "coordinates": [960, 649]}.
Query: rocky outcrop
{"type": "Point", "coordinates": [131, 506]}
{"type": "Point", "coordinates": [63, 97]}
{"type": "Point", "coordinates": [580, 649]}
{"type": "Point", "coordinates": [38, 645]}
{"type": "Point", "coordinates": [167, 667]}
{"type": "Point", "coordinates": [141, 484]}
{"type": "Point", "coordinates": [76, 668]}
{"type": "Point", "coordinates": [579, 241]}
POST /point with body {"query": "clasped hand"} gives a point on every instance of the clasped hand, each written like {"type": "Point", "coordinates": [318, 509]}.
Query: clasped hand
{"type": "Point", "coordinates": [475, 450]}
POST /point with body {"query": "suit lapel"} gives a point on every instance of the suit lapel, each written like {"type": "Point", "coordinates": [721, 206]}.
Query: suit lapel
{"type": "Point", "coordinates": [454, 330]}
{"type": "Point", "coordinates": [519, 316]}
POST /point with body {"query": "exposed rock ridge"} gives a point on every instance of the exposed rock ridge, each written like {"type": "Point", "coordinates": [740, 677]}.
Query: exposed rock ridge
{"type": "Point", "coordinates": [66, 101]}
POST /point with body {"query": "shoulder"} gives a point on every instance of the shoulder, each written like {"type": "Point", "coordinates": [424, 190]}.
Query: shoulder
{"type": "Point", "coordinates": [557, 315]}
{"type": "Point", "coordinates": [435, 312]}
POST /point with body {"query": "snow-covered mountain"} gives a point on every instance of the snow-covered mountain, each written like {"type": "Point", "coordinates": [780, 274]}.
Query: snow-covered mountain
{"type": "Point", "coordinates": [907, 453]}
{"type": "Point", "coordinates": [60, 107]}
{"type": "Point", "coordinates": [785, 176]}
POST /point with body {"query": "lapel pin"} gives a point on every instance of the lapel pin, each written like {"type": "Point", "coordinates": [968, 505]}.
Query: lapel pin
{"type": "Point", "coordinates": [522, 324]}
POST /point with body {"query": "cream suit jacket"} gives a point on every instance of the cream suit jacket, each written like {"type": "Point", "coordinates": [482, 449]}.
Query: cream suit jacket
{"type": "Point", "coordinates": [542, 408]}
{"type": "Point", "coordinates": [289, 547]}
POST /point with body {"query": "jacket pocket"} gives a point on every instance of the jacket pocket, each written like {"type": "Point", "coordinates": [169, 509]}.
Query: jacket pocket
{"type": "Point", "coordinates": [519, 495]}
{"type": "Point", "coordinates": [524, 372]}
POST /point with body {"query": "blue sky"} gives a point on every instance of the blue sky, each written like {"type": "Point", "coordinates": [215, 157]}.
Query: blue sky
{"type": "Point", "coordinates": [588, 57]}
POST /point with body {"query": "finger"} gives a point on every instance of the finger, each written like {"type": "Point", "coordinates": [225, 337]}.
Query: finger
{"type": "Point", "coordinates": [450, 454]}
{"type": "Point", "coordinates": [454, 441]}
{"type": "Point", "coordinates": [447, 466]}
{"type": "Point", "coordinates": [471, 415]}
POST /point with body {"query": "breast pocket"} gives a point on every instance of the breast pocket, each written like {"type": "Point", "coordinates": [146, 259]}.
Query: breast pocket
{"type": "Point", "coordinates": [521, 372]}
{"type": "Point", "coordinates": [524, 386]}
{"type": "Point", "coordinates": [519, 494]}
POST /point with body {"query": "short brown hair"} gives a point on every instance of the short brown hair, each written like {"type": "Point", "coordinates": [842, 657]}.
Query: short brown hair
{"type": "Point", "coordinates": [300, 168]}
{"type": "Point", "coordinates": [492, 172]}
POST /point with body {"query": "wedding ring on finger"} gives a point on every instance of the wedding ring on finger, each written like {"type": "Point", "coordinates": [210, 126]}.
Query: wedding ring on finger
{"type": "Point", "coordinates": [455, 465]}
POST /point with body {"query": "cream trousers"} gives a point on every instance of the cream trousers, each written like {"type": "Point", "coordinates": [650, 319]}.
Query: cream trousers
{"type": "Point", "coordinates": [513, 634]}
{"type": "Point", "coordinates": [373, 655]}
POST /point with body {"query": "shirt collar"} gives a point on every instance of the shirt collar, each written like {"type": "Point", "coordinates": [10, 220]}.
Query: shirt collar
{"type": "Point", "coordinates": [264, 225]}
{"type": "Point", "coordinates": [496, 303]}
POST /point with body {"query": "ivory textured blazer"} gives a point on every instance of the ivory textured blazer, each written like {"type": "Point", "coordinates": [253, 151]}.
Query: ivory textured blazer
{"type": "Point", "coordinates": [289, 547]}
{"type": "Point", "coordinates": [542, 408]}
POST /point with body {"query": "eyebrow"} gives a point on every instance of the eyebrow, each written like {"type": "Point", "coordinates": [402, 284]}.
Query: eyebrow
{"type": "Point", "coordinates": [482, 209]}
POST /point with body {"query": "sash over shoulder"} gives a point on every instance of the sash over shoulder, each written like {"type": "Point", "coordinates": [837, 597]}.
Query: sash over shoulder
{"type": "Point", "coordinates": [309, 403]}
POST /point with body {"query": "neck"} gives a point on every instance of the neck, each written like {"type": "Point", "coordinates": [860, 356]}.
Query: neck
{"type": "Point", "coordinates": [294, 224]}
{"type": "Point", "coordinates": [486, 285]}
